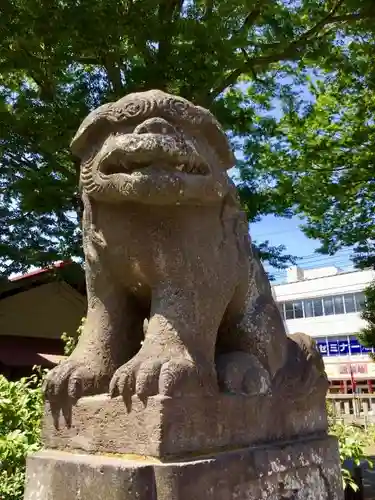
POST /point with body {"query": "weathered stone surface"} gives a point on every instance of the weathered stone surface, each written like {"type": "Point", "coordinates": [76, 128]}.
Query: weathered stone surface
{"type": "Point", "coordinates": [182, 331]}
{"type": "Point", "coordinates": [165, 240]}
{"type": "Point", "coordinates": [172, 427]}
{"type": "Point", "coordinates": [64, 476]}
{"type": "Point", "coordinates": [304, 470]}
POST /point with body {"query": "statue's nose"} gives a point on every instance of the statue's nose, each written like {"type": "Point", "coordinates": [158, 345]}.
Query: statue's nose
{"type": "Point", "coordinates": [155, 126]}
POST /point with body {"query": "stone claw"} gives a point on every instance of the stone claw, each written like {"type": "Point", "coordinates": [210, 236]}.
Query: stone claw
{"type": "Point", "coordinates": [123, 384]}
{"type": "Point", "coordinates": [167, 375]}
{"type": "Point", "coordinates": [72, 380]}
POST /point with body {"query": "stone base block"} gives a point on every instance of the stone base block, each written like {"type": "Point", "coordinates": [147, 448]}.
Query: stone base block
{"type": "Point", "coordinates": [167, 428]}
{"type": "Point", "coordinates": [299, 470]}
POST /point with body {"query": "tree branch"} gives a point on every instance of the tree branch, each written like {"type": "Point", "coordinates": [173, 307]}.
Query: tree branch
{"type": "Point", "coordinates": [325, 20]}
{"type": "Point", "coordinates": [114, 74]}
{"type": "Point", "coordinates": [208, 10]}
{"type": "Point", "coordinates": [13, 159]}
{"type": "Point", "coordinates": [290, 52]}
{"type": "Point", "coordinates": [167, 10]}
{"type": "Point", "coordinates": [253, 15]}
{"type": "Point", "coordinates": [37, 71]}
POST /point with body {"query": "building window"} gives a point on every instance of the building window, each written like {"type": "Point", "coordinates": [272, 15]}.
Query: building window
{"type": "Point", "coordinates": [318, 307]}
{"type": "Point", "coordinates": [359, 301]}
{"type": "Point", "coordinates": [309, 308]}
{"type": "Point", "coordinates": [289, 311]}
{"type": "Point", "coordinates": [323, 306]}
{"type": "Point", "coordinates": [338, 302]}
{"type": "Point", "coordinates": [298, 309]}
{"type": "Point", "coordinates": [328, 306]}
{"type": "Point", "coordinates": [349, 303]}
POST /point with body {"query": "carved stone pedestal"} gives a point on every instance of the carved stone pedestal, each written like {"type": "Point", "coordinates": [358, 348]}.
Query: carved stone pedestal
{"type": "Point", "coordinates": [177, 428]}
{"type": "Point", "coordinates": [305, 469]}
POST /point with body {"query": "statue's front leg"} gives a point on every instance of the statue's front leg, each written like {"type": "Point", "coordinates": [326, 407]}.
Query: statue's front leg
{"type": "Point", "coordinates": [105, 343]}
{"type": "Point", "coordinates": [177, 356]}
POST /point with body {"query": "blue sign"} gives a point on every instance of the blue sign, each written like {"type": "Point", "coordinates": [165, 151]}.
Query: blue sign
{"type": "Point", "coordinates": [343, 347]}
{"type": "Point", "coordinates": [333, 348]}
{"type": "Point", "coordinates": [355, 346]}
{"type": "Point", "coordinates": [322, 347]}
{"type": "Point", "coordinates": [365, 350]}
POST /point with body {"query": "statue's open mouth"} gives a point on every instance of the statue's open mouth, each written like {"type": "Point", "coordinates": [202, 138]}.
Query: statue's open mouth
{"type": "Point", "coordinates": [137, 153]}
{"type": "Point", "coordinates": [124, 166]}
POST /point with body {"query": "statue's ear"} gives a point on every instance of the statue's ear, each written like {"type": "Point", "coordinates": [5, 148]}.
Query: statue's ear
{"type": "Point", "coordinates": [216, 137]}
{"type": "Point", "coordinates": [93, 126]}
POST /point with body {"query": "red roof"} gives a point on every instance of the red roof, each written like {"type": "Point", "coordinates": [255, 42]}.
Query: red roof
{"type": "Point", "coordinates": [69, 271]}
{"type": "Point", "coordinates": [37, 272]}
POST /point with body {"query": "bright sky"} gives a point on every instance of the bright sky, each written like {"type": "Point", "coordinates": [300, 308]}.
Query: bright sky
{"type": "Point", "coordinates": [286, 232]}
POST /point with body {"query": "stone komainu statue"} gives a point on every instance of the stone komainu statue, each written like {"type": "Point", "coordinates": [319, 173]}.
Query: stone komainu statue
{"type": "Point", "coordinates": [165, 240]}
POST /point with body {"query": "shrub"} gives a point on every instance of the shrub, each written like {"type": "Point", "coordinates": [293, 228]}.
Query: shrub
{"type": "Point", "coordinates": [352, 443]}
{"type": "Point", "coordinates": [21, 407]}
{"type": "Point", "coordinates": [70, 341]}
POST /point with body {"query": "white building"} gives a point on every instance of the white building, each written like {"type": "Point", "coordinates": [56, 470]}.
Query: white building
{"type": "Point", "coordinates": [325, 303]}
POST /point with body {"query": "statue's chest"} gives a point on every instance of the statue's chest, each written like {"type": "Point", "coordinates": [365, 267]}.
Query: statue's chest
{"type": "Point", "coordinates": [144, 244]}
{"type": "Point", "coordinates": [133, 246]}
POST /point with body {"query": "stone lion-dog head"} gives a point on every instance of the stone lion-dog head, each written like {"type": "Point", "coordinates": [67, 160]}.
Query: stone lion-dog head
{"type": "Point", "coordinates": [153, 148]}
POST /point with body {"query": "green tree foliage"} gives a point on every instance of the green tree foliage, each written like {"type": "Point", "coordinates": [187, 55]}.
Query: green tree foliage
{"type": "Point", "coordinates": [59, 59]}
{"type": "Point", "coordinates": [353, 441]}
{"type": "Point", "coordinates": [367, 334]}
{"type": "Point", "coordinates": [322, 158]}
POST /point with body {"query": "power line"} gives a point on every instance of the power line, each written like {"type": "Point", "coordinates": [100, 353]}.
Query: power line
{"type": "Point", "coordinates": [316, 255]}
{"type": "Point", "coordinates": [357, 288]}
{"type": "Point", "coordinates": [304, 260]}
{"type": "Point", "coordinates": [342, 265]}
{"type": "Point", "coordinates": [323, 258]}
{"type": "Point", "coordinates": [332, 260]}
{"type": "Point", "coordinates": [282, 279]}
{"type": "Point", "coordinates": [262, 235]}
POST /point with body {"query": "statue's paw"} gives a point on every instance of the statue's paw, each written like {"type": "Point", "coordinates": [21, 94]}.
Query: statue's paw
{"type": "Point", "coordinates": [168, 375]}
{"type": "Point", "coordinates": [242, 373]}
{"type": "Point", "coordinates": [71, 380]}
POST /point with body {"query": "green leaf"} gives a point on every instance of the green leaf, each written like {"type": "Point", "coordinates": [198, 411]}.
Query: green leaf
{"type": "Point", "coordinates": [60, 60]}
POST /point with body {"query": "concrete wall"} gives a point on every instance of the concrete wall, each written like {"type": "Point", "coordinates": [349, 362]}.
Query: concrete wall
{"type": "Point", "coordinates": [45, 311]}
